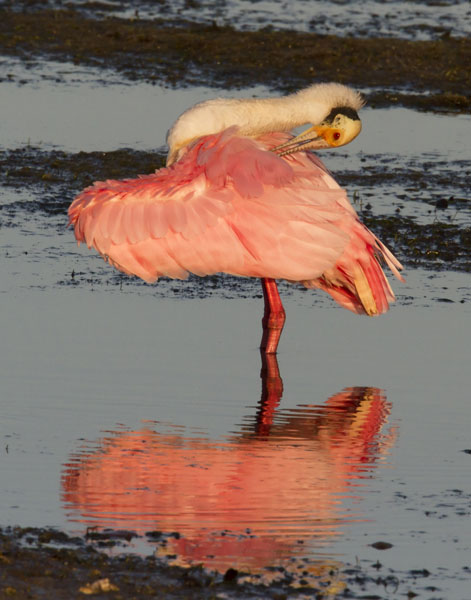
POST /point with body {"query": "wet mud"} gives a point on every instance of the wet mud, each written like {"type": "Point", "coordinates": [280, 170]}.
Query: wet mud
{"type": "Point", "coordinates": [190, 53]}
{"type": "Point", "coordinates": [46, 563]}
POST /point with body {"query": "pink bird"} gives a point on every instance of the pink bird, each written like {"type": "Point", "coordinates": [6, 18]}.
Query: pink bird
{"type": "Point", "coordinates": [241, 195]}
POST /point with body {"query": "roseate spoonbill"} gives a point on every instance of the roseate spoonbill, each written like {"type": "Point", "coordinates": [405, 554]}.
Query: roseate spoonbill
{"type": "Point", "coordinates": [241, 195]}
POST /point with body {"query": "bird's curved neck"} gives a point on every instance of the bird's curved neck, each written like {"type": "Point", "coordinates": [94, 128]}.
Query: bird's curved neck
{"type": "Point", "coordinates": [256, 117]}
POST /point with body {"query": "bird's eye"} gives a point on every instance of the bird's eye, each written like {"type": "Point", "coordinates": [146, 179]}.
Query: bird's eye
{"type": "Point", "coordinates": [336, 135]}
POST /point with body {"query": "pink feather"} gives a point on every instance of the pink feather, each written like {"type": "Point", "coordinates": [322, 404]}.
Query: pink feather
{"type": "Point", "coordinates": [228, 205]}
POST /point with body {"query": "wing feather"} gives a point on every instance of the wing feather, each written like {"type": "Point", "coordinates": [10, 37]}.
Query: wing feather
{"type": "Point", "coordinates": [230, 206]}
{"type": "Point", "coordinates": [156, 220]}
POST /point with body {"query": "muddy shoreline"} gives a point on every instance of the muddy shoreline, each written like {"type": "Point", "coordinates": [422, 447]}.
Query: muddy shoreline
{"type": "Point", "coordinates": [189, 54]}
{"type": "Point", "coordinates": [37, 563]}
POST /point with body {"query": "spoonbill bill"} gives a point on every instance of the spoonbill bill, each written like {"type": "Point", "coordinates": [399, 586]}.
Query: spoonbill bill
{"type": "Point", "coordinates": [241, 195]}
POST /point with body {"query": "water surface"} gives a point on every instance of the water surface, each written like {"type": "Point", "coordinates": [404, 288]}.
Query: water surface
{"type": "Point", "coordinates": [132, 406]}
{"type": "Point", "coordinates": [421, 19]}
{"type": "Point", "coordinates": [137, 412]}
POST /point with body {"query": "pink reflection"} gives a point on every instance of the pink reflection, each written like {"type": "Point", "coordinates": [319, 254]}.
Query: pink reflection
{"type": "Point", "coordinates": [249, 500]}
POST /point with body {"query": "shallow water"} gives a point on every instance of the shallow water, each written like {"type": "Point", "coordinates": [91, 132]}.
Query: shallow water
{"type": "Point", "coordinates": [137, 412]}
{"type": "Point", "coordinates": [91, 109]}
{"type": "Point", "coordinates": [421, 19]}
{"type": "Point", "coordinates": [133, 406]}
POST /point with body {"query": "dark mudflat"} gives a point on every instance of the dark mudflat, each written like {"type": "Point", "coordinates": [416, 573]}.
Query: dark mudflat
{"type": "Point", "coordinates": [43, 563]}
{"type": "Point", "coordinates": [189, 53]}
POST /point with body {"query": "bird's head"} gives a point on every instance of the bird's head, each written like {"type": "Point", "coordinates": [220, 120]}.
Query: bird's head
{"type": "Point", "coordinates": [340, 127]}
{"type": "Point", "coordinates": [331, 108]}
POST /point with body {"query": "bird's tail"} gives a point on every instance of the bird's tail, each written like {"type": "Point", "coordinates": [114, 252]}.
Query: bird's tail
{"type": "Point", "coordinates": [358, 282]}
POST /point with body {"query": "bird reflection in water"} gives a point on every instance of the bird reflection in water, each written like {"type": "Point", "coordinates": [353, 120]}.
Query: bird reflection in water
{"type": "Point", "coordinates": [254, 498]}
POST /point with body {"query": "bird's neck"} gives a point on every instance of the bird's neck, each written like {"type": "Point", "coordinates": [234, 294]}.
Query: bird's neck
{"type": "Point", "coordinates": [254, 117]}
{"type": "Point", "coordinates": [257, 117]}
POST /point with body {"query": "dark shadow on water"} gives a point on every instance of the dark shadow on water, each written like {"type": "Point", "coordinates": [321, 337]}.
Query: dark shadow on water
{"type": "Point", "coordinates": [284, 485]}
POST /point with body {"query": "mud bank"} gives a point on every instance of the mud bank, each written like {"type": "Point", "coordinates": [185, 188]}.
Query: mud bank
{"type": "Point", "coordinates": [188, 54]}
{"type": "Point", "coordinates": [38, 563]}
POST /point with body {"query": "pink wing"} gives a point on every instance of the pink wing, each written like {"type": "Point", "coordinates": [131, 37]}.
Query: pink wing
{"type": "Point", "coordinates": [230, 206]}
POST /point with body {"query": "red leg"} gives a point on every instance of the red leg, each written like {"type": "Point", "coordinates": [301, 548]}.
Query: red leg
{"type": "Point", "coordinates": [273, 317]}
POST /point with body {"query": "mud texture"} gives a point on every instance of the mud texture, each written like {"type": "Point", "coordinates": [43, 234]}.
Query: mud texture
{"type": "Point", "coordinates": [45, 563]}
{"type": "Point", "coordinates": [188, 53]}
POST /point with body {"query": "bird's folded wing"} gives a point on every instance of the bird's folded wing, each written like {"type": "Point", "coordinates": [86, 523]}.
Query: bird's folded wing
{"type": "Point", "coordinates": [229, 206]}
